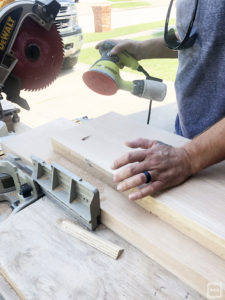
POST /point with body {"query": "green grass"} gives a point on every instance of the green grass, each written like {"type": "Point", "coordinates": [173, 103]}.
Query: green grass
{"type": "Point", "coordinates": [119, 32]}
{"type": "Point", "coordinates": [162, 68]}
{"type": "Point", "coordinates": [130, 4]}
{"type": "Point", "coordinates": [152, 36]}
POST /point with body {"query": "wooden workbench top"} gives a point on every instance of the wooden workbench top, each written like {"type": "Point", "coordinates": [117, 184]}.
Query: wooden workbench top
{"type": "Point", "coordinates": [42, 262]}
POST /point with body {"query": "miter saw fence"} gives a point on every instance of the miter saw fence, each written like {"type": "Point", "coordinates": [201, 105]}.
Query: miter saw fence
{"type": "Point", "coordinates": [31, 49]}
{"type": "Point", "coordinates": [29, 184]}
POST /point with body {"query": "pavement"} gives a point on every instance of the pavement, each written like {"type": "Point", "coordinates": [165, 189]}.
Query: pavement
{"type": "Point", "coordinates": [68, 96]}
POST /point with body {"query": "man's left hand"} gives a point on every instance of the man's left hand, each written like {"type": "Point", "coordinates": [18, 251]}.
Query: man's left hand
{"type": "Point", "coordinates": [168, 166]}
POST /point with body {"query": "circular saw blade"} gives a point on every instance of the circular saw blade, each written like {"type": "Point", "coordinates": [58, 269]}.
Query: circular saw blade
{"type": "Point", "coordinates": [39, 53]}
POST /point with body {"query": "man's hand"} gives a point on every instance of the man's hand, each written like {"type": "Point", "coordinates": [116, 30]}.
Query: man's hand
{"type": "Point", "coordinates": [152, 48]}
{"type": "Point", "coordinates": [131, 46]}
{"type": "Point", "coordinates": [168, 166]}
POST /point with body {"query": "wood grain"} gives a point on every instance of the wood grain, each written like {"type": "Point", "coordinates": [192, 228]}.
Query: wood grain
{"type": "Point", "coordinates": [42, 262]}
{"type": "Point", "coordinates": [185, 258]}
{"type": "Point", "coordinates": [25, 140]}
{"type": "Point", "coordinates": [6, 291]}
{"type": "Point", "coordinates": [196, 208]}
{"type": "Point", "coordinates": [92, 239]}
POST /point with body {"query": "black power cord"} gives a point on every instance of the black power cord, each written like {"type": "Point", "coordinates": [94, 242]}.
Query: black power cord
{"type": "Point", "coordinates": [148, 77]}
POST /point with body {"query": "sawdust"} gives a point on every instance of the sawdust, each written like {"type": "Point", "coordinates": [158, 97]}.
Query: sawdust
{"type": "Point", "coordinates": [3, 207]}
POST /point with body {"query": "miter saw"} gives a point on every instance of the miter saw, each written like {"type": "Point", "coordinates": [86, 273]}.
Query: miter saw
{"type": "Point", "coordinates": [31, 49]}
{"type": "Point", "coordinates": [31, 55]}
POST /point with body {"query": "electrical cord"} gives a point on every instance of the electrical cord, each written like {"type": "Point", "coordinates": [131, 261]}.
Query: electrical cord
{"type": "Point", "coordinates": [149, 111]}
{"type": "Point", "coordinates": [148, 77]}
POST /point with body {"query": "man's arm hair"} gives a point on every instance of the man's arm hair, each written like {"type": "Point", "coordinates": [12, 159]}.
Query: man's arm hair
{"type": "Point", "coordinates": [207, 148]}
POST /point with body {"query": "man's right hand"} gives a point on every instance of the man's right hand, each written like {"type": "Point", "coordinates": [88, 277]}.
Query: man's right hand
{"type": "Point", "coordinates": [131, 46]}
{"type": "Point", "coordinates": [151, 48]}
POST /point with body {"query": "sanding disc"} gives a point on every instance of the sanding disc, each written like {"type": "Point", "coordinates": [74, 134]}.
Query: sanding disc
{"type": "Point", "coordinates": [100, 83]}
{"type": "Point", "coordinates": [39, 53]}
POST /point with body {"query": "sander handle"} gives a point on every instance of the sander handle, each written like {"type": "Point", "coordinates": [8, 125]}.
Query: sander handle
{"type": "Point", "coordinates": [122, 59]}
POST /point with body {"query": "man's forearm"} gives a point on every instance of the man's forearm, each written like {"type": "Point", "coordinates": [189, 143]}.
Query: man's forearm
{"type": "Point", "coordinates": [156, 48]}
{"type": "Point", "coordinates": [207, 148]}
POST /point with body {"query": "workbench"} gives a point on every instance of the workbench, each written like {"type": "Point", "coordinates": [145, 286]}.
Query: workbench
{"type": "Point", "coordinates": [46, 263]}
{"type": "Point", "coordinates": [96, 276]}
{"type": "Point", "coordinates": [78, 271]}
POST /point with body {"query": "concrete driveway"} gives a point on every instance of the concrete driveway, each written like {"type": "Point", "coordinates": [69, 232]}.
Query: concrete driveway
{"type": "Point", "coordinates": [69, 97]}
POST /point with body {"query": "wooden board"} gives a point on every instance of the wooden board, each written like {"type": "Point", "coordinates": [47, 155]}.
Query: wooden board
{"type": "Point", "coordinates": [27, 139]}
{"type": "Point", "coordinates": [6, 292]}
{"type": "Point", "coordinates": [180, 255]}
{"type": "Point", "coordinates": [41, 261]}
{"type": "Point", "coordinates": [195, 208]}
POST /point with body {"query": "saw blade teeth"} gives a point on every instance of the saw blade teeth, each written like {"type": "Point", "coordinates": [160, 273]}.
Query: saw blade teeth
{"type": "Point", "coordinates": [41, 88]}
{"type": "Point", "coordinates": [39, 53]}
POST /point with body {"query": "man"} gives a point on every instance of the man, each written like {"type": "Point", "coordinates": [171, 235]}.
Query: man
{"type": "Point", "coordinates": [200, 90]}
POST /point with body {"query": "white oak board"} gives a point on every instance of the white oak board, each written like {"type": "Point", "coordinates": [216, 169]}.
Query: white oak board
{"type": "Point", "coordinates": [195, 208]}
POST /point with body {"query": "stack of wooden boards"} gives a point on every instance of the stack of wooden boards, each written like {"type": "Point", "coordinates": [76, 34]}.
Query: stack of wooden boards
{"type": "Point", "coordinates": [188, 238]}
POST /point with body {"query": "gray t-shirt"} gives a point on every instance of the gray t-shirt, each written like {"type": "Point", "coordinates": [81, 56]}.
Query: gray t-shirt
{"type": "Point", "coordinates": [200, 81]}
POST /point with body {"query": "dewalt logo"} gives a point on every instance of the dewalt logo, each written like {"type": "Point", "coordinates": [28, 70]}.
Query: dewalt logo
{"type": "Point", "coordinates": [6, 32]}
